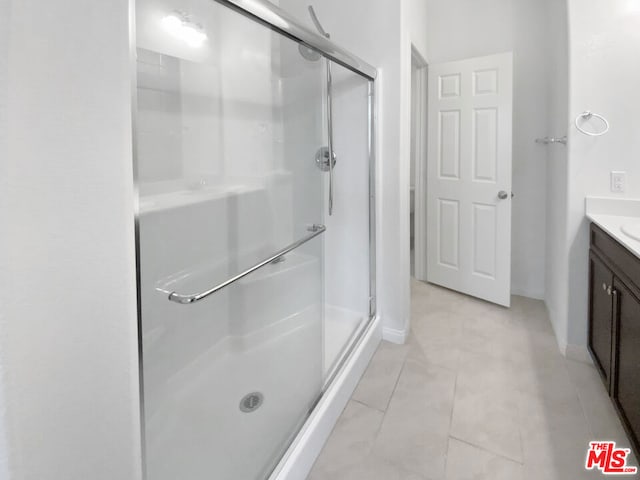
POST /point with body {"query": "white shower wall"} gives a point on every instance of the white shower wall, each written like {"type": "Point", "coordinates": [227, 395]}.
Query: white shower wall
{"type": "Point", "coordinates": [209, 115]}
{"type": "Point", "coordinates": [346, 241]}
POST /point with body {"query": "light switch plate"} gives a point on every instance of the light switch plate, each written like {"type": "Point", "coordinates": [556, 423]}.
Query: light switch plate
{"type": "Point", "coordinates": [618, 182]}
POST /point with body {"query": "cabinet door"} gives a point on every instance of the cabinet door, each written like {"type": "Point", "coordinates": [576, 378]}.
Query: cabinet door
{"type": "Point", "coordinates": [626, 384]}
{"type": "Point", "coordinates": [600, 315]}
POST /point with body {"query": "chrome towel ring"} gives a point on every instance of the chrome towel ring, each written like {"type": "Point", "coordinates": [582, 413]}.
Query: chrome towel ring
{"type": "Point", "coordinates": [588, 115]}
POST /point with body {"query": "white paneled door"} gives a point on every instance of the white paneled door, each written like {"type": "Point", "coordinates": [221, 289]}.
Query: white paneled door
{"type": "Point", "coordinates": [469, 176]}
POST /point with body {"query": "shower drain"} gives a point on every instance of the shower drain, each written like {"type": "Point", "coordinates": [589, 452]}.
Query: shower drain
{"type": "Point", "coordinates": [251, 402]}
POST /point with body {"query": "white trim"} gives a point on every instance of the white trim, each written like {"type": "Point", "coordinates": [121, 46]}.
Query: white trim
{"type": "Point", "coordinates": [419, 110]}
{"type": "Point", "coordinates": [562, 344]}
{"type": "Point", "coordinates": [395, 336]}
{"type": "Point", "coordinates": [528, 294]}
{"type": "Point", "coordinates": [579, 353]}
{"type": "Point", "coordinates": [300, 458]}
{"type": "Point", "coordinates": [4, 443]}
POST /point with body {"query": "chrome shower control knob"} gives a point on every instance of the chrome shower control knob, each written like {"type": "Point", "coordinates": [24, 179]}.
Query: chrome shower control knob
{"type": "Point", "coordinates": [322, 159]}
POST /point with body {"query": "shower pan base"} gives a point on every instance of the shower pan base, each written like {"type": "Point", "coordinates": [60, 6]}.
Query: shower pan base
{"type": "Point", "coordinates": [297, 462]}
{"type": "Point", "coordinates": [340, 325]}
{"type": "Point", "coordinates": [230, 410]}
{"type": "Point", "coordinates": [257, 398]}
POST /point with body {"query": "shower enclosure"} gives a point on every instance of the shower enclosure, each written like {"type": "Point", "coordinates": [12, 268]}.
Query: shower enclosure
{"type": "Point", "coordinates": [252, 287]}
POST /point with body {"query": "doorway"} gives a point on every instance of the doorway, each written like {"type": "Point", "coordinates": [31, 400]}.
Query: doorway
{"type": "Point", "coordinates": [469, 164]}
{"type": "Point", "coordinates": [418, 168]}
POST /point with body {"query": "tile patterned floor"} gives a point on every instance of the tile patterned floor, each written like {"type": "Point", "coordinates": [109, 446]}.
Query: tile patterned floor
{"type": "Point", "coordinates": [478, 392]}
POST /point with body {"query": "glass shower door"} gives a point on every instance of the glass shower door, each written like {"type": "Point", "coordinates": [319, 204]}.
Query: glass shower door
{"type": "Point", "coordinates": [347, 244]}
{"type": "Point", "coordinates": [229, 118]}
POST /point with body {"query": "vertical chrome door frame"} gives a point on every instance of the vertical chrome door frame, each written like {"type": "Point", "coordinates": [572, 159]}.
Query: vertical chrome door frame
{"type": "Point", "coordinates": [372, 200]}
{"type": "Point", "coordinates": [136, 215]}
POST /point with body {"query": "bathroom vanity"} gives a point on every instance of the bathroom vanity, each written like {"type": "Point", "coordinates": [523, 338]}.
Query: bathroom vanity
{"type": "Point", "coordinates": [614, 320]}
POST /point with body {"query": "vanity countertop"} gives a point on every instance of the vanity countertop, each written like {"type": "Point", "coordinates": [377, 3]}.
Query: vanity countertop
{"type": "Point", "coordinates": [612, 214]}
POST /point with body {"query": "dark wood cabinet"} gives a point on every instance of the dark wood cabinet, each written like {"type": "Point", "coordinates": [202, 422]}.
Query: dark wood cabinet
{"type": "Point", "coordinates": [601, 314]}
{"type": "Point", "coordinates": [614, 325]}
{"type": "Point", "coordinates": [626, 385]}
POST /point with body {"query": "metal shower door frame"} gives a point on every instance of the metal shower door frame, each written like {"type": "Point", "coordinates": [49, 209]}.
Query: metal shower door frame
{"type": "Point", "coordinates": [278, 20]}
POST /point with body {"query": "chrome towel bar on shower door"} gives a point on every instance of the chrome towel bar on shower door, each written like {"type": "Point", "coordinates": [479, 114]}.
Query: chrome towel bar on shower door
{"type": "Point", "coordinates": [315, 229]}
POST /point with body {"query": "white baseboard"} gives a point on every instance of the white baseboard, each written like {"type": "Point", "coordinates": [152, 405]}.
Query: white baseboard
{"type": "Point", "coordinates": [579, 353]}
{"type": "Point", "coordinates": [300, 458]}
{"type": "Point", "coordinates": [395, 336]}
{"type": "Point", "coordinates": [562, 344]}
{"type": "Point", "coordinates": [527, 293]}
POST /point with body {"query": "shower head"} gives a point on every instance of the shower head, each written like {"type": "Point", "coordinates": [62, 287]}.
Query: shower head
{"type": "Point", "coordinates": [309, 53]}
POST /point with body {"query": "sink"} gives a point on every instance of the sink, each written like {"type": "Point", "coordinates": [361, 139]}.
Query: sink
{"type": "Point", "coordinates": [632, 230]}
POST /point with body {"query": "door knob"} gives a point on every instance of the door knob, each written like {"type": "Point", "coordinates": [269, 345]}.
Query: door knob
{"type": "Point", "coordinates": [502, 195]}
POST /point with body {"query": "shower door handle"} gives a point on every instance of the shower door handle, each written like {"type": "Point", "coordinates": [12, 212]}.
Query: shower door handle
{"type": "Point", "coordinates": [315, 229]}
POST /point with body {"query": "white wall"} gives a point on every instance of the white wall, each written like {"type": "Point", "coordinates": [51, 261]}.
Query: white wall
{"type": "Point", "coordinates": [413, 33]}
{"type": "Point", "coordinates": [68, 343]}
{"type": "Point", "coordinates": [415, 13]}
{"type": "Point", "coordinates": [460, 29]}
{"type": "Point", "coordinates": [605, 74]}
{"type": "Point", "coordinates": [556, 291]}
